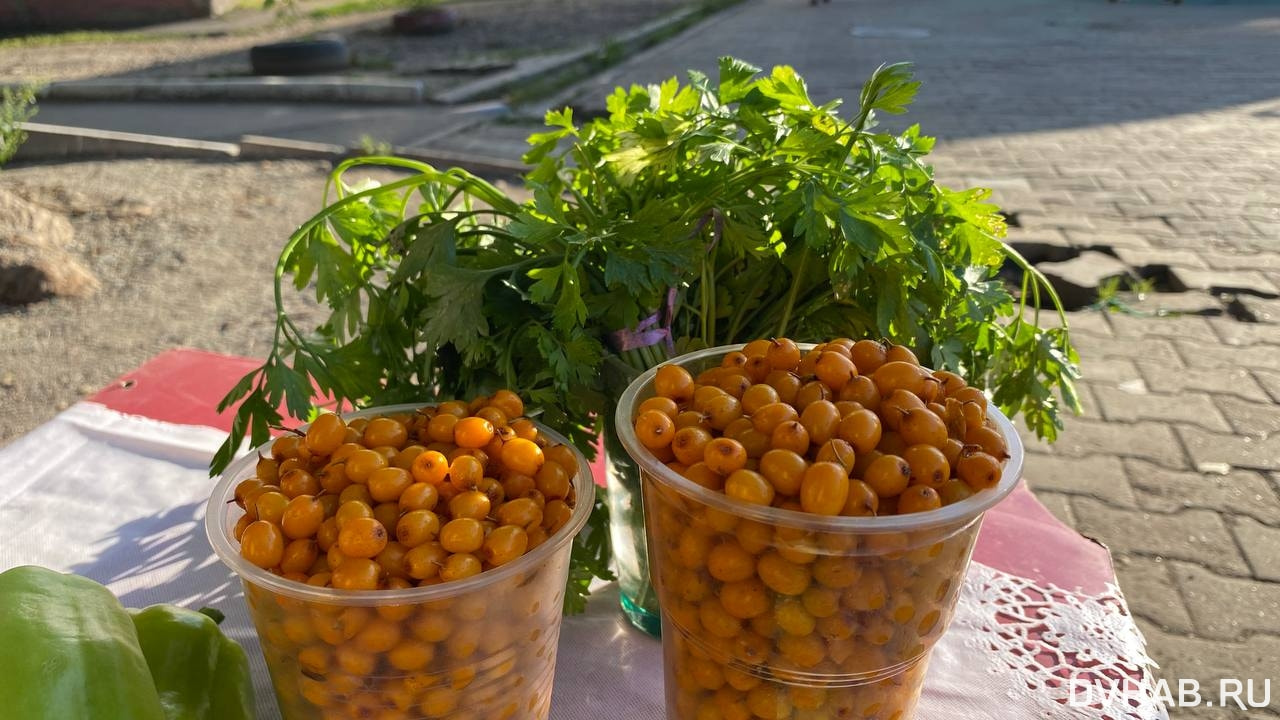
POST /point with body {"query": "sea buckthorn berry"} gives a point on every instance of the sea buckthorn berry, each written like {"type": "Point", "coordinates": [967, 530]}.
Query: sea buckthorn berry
{"type": "Point", "coordinates": [465, 472]}
{"type": "Point", "coordinates": [664, 405]}
{"type": "Point", "coordinates": [460, 565]}
{"type": "Point", "coordinates": [811, 392]}
{"type": "Point", "coordinates": [784, 469]}
{"type": "Point", "coordinates": [387, 484]}
{"type": "Point", "coordinates": [419, 496]}
{"type": "Point", "coordinates": [673, 381]}
{"type": "Point", "coordinates": [888, 475]}
{"type": "Point", "coordinates": [978, 469]}
{"type": "Point", "coordinates": [922, 427]}
{"type": "Point", "coordinates": [722, 410]}
{"type": "Point", "coordinates": [509, 402]}
{"type": "Point", "coordinates": [728, 562]}
{"type": "Point", "coordinates": [824, 489]}
{"type": "Point", "coordinates": [990, 440]}
{"type": "Point", "coordinates": [835, 369]}
{"type": "Point", "coordinates": [862, 429]}
{"type": "Point", "coordinates": [262, 544]}
{"type": "Point", "coordinates": [919, 498]}
{"type": "Point", "coordinates": [899, 375]}
{"type": "Point", "coordinates": [357, 574]}
{"type": "Point", "coordinates": [868, 355]}
{"type": "Point", "coordinates": [470, 504]}
{"type": "Point", "coordinates": [362, 537]}
{"type": "Point", "coordinates": [772, 415]}
{"type": "Point", "coordinates": [820, 419]}
{"type": "Point", "coordinates": [504, 544]}
{"type": "Point", "coordinates": [734, 383]}
{"type": "Point", "coordinates": [524, 456]}
{"type": "Point", "coordinates": [689, 444]}
{"type": "Point", "coordinates": [385, 432]}
{"type": "Point", "coordinates": [781, 575]}
{"type": "Point", "coordinates": [325, 434]}
{"type": "Point", "coordinates": [361, 464]}
{"type": "Point", "coordinates": [786, 384]}
{"type": "Point", "coordinates": [424, 561]}
{"type": "Point", "coordinates": [440, 428]}
{"type": "Point", "coordinates": [725, 455]}
{"type": "Point", "coordinates": [783, 354]}
{"type": "Point", "coordinates": [901, 353]}
{"type": "Point", "coordinates": [929, 465]}
{"type": "Point", "coordinates": [302, 517]}
{"type": "Point", "coordinates": [790, 435]}
{"type": "Point", "coordinates": [749, 487]}
{"type": "Point", "coordinates": [271, 505]}
{"type": "Point", "coordinates": [472, 432]}
{"type": "Point", "coordinates": [417, 527]}
{"type": "Point", "coordinates": [553, 481]}
{"type": "Point", "coordinates": [862, 390]}
{"type": "Point", "coordinates": [953, 491]}
{"type": "Point", "coordinates": [521, 512]}
{"type": "Point", "coordinates": [837, 451]}
{"type": "Point", "coordinates": [462, 535]}
{"type": "Point", "coordinates": [353, 493]}
{"type": "Point", "coordinates": [757, 348]}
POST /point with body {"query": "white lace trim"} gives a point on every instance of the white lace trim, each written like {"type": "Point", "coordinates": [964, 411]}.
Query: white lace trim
{"type": "Point", "coordinates": [1051, 645]}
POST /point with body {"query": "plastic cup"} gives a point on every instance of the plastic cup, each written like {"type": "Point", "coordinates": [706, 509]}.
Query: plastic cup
{"type": "Point", "coordinates": [483, 647]}
{"type": "Point", "coordinates": [813, 616]}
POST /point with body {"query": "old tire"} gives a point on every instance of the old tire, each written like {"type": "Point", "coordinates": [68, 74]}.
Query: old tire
{"type": "Point", "coordinates": [300, 57]}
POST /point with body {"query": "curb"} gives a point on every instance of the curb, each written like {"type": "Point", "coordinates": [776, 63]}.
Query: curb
{"type": "Point", "coordinates": [46, 143]}
{"type": "Point", "coordinates": [535, 68]}
{"type": "Point", "coordinates": [60, 142]}
{"type": "Point", "coordinates": [262, 89]}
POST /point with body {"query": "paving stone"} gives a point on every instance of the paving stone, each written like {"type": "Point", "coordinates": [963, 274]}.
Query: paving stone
{"type": "Point", "coordinates": [1242, 261]}
{"type": "Point", "coordinates": [1261, 546]}
{"type": "Point", "coordinates": [1163, 490]}
{"type": "Point", "coordinates": [1235, 332]}
{"type": "Point", "coordinates": [1077, 280]}
{"type": "Point", "coordinates": [1138, 257]}
{"type": "Point", "coordinates": [1251, 280]}
{"type": "Point", "coordinates": [1264, 310]}
{"type": "Point", "coordinates": [1188, 302]}
{"type": "Point", "coordinates": [1227, 608]}
{"type": "Point", "coordinates": [1194, 408]}
{"type": "Point", "coordinates": [1081, 321]}
{"type": "Point", "coordinates": [1256, 419]}
{"type": "Point", "coordinates": [1143, 348]}
{"type": "Point", "coordinates": [1088, 438]}
{"type": "Point", "coordinates": [1171, 325]}
{"type": "Point", "coordinates": [1113, 238]}
{"type": "Point", "coordinates": [1057, 503]}
{"type": "Point", "coordinates": [1208, 661]}
{"type": "Point", "coordinates": [1161, 376]}
{"type": "Point", "coordinates": [1235, 450]}
{"type": "Point", "coordinates": [1109, 370]}
{"type": "Point", "coordinates": [1270, 381]}
{"type": "Point", "coordinates": [1099, 476]}
{"type": "Point", "coordinates": [1201, 355]}
{"type": "Point", "coordinates": [1193, 535]}
{"type": "Point", "coordinates": [1149, 590]}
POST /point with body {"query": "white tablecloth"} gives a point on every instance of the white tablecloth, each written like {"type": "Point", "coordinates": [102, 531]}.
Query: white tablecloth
{"type": "Point", "coordinates": [120, 499]}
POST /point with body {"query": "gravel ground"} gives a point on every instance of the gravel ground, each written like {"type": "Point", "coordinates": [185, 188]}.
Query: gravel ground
{"type": "Point", "coordinates": [491, 34]}
{"type": "Point", "coordinates": [184, 252]}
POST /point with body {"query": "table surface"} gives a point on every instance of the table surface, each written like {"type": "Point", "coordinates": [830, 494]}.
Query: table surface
{"type": "Point", "coordinates": [1019, 536]}
{"type": "Point", "coordinates": [114, 489]}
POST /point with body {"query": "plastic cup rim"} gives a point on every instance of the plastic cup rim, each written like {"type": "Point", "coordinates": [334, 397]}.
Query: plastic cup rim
{"type": "Point", "coordinates": [220, 539]}
{"type": "Point", "coordinates": [963, 511]}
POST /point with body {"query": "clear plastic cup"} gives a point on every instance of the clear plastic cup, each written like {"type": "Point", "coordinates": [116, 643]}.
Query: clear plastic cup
{"type": "Point", "coordinates": [814, 616]}
{"type": "Point", "coordinates": [483, 647]}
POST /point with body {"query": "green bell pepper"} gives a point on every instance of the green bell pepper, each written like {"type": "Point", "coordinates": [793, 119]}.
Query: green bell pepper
{"type": "Point", "coordinates": [68, 650]}
{"type": "Point", "coordinates": [199, 673]}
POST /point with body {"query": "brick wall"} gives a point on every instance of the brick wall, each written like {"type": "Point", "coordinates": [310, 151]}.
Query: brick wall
{"type": "Point", "coordinates": [20, 15]}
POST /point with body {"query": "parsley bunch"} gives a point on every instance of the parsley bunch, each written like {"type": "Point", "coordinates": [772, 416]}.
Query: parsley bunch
{"type": "Point", "coordinates": [705, 213]}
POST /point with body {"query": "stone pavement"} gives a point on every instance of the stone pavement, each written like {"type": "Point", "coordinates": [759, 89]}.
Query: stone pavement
{"type": "Point", "coordinates": [1151, 131]}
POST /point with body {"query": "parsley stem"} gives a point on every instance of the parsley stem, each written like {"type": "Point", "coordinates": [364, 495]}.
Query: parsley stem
{"type": "Point", "coordinates": [796, 281]}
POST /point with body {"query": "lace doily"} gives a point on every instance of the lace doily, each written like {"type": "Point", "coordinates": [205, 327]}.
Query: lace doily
{"type": "Point", "coordinates": [1067, 654]}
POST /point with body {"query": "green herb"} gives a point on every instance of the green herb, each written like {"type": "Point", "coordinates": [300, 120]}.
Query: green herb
{"type": "Point", "coordinates": [767, 214]}
{"type": "Point", "coordinates": [17, 105]}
